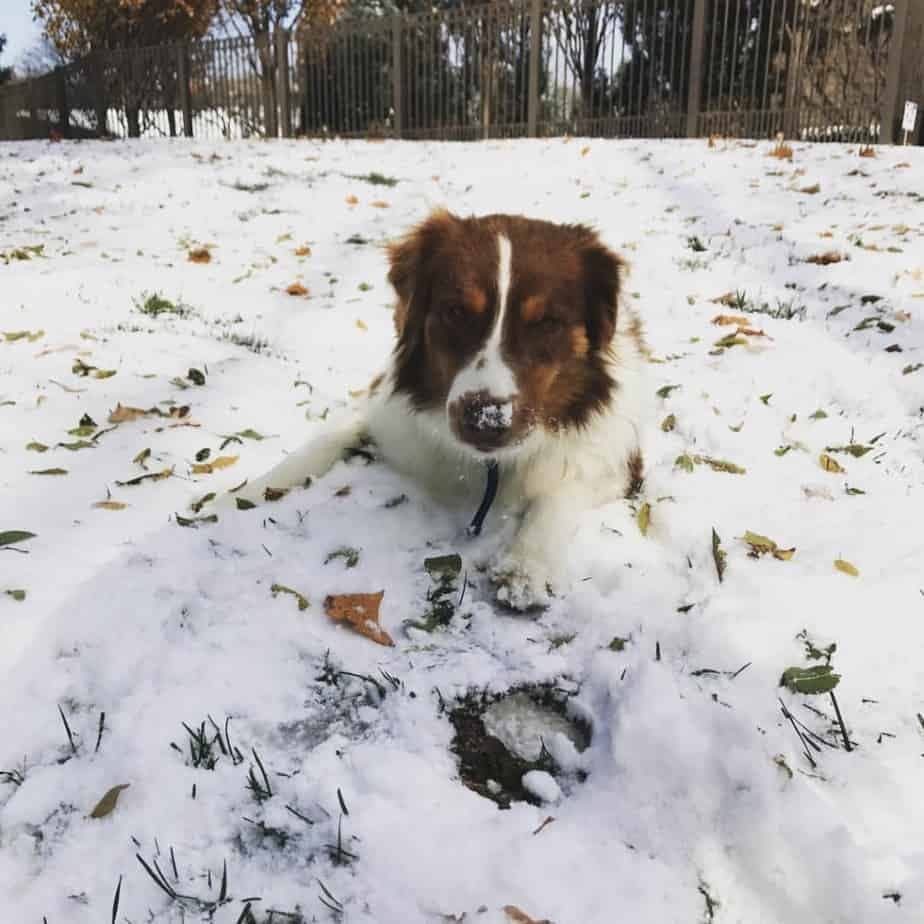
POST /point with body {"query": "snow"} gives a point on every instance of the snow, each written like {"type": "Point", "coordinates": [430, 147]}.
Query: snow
{"type": "Point", "coordinates": [696, 784]}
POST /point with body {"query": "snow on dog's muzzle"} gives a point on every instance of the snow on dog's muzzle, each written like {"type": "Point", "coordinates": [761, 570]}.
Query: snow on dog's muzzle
{"type": "Point", "coordinates": [482, 420]}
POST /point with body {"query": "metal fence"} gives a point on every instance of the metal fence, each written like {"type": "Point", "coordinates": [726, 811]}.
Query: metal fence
{"type": "Point", "coordinates": [815, 69]}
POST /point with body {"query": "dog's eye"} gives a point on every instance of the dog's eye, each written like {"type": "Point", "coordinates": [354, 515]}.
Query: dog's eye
{"type": "Point", "coordinates": [453, 311]}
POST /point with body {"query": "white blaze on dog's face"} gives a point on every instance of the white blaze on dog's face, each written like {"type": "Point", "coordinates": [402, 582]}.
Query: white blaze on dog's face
{"type": "Point", "coordinates": [504, 325]}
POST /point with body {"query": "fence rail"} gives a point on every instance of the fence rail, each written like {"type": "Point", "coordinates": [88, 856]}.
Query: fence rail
{"type": "Point", "coordinates": [814, 69]}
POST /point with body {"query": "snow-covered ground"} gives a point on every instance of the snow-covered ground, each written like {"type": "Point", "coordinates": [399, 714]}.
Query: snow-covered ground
{"type": "Point", "coordinates": [699, 803]}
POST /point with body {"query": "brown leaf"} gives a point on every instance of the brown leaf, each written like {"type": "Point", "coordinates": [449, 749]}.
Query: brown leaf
{"type": "Point", "coordinates": [830, 464]}
{"type": "Point", "coordinates": [868, 151]}
{"type": "Point", "coordinates": [206, 468]}
{"type": "Point", "coordinates": [303, 251]}
{"type": "Point", "coordinates": [110, 505]}
{"type": "Point", "coordinates": [352, 200]}
{"type": "Point", "coordinates": [811, 190]}
{"type": "Point", "coordinates": [361, 324]}
{"type": "Point", "coordinates": [380, 204]}
{"type": "Point", "coordinates": [124, 413]}
{"type": "Point", "coordinates": [107, 804]}
{"type": "Point", "coordinates": [726, 320]}
{"type": "Point", "coordinates": [360, 612]}
{"type": "Point", "coordinates": [296, 289]}
{"type": "Point", "coordinates": [824, 259]}
{"type": "Point", "coordinates": [344, 491]}
{"type": "Point", "coordinates": [585, 150]}
{"type": "Point", "coordinates": [200, 255]}
{"type": "Point", "coordinates": [50, 471]}
{"type": "Point", "coordinates": [518, 916]}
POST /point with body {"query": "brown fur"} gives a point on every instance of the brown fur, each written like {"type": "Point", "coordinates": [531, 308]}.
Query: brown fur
{"type": "Point", "coordinates": [559, 325]}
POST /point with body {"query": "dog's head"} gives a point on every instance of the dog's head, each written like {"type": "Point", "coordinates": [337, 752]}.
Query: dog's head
{"type": "Point", "coordinates": [504, 324]}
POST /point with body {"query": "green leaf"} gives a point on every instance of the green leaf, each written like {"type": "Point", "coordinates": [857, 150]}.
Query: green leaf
{"type": "Point", "coordinates": [665, 390]}
{"type": "Point", "coordinates": [857, 450]}
{"type": "Point", "coordinates": [781, 450]}
{"type": "Point", "coordinates": [618, 644]}
{"type": "Point", "coordinates": [49, 471]}
{"type": "Point", "coordinates": [15, 536]}
{"type": "Point", "coordinates": [196, 506]}
{"type": "Point", "coordinates": [196, 377]}
{"type": "Point", "coordinates": [349, 555]}
{"type": "Point", "coordinates": [440, 567]}
{"type": "Point", "coordinates": [643, 518]}
{"type": "Point", "coordinates": [77, 444]}
{"type": "Point", "coordinates": [107, 804]}
{"type": "Point", "coordinates": [818, 415]}
{"type": "Point", "coordinates": [718, 555]}
{"type": "Point", "coordinates": [17, 595]}
{"type": "Point", "coordinates": [250, 434]}
{"type": "Point", "coordinates": [912, 368]}
{"type": "Point", "coordinates": [819, 678]}
{"type": "Point", "coordinates": [684, 462]}
{"type": "Point", "coordinates": [277, 589]}
{"type": "Point", "coordinates": [194, 522]}
{"type": "Point", "coordinates": [668, 423]}
{"type": "Point", "coordinates": [766, 398]}
{"type": "Point", "coordinates": [36, 447]}
{"type": "Point", "coordinates": [243, 504]}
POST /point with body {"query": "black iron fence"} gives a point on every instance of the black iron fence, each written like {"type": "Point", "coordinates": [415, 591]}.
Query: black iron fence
{"type": "Point", "coordinates": [814, 69]}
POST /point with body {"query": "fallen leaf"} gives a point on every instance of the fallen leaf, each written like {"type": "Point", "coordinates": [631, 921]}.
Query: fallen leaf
{"type": "Point", "coordinates": [296, 289]}
{"type": "Point", "coordinates": [762, 545]}
{"type": "Point", "coordinates": [830, 464]}
{"type": "Point", "coordinates": [141, 458]}
{"type": "Point", "coordinates": [726, 320]}
{"type": "Point", "coordinates": [196, 506]}
{"type": "Point", "coordinates": [351, 200]}
{"type": "Point", "coordinates": [825, 259]}
{"type": "Point", "coordinates": [360, 612]}
{"type": "Point", "coordinates": [107, 804]}
{"type": "Point", "coordinates": [36, 447]}
{"type": "Point", "coordinates": [846, 567]}
{"type": "Point", "coordinates": [17, 594]}
{"type": "Point", "coordinates": [643, 518]}
{"type": "Point", "coordinates": [343, 492]}
{"type": "Point", "coordinates": [380, 204]}
{"type": "Point", "coordinates": [27, 335]}
{"type": "Point", "coordinates": [153, 476]}
{"type": "Point", "coordinates": [194, 522]}
{"type": "Point", "coordinates": [518, 916]}
{"type": "Point", "coordinates": [196, 376]}
{"type": "Point", "coordinates": [49, 471]}
{"type": "Point", "coordinates": [819, 678]}
{"type": "Point", "coordinates": [303, 251]}
{"type": "Point", "coordinates": [665, 390]}
{"type": "Point", "coordinates": [200, 255]}
{"type": "Point", "coordinates": [718, 555]}
{"type": "Point", "coordinates": [110, 505]}
{"type": "Point", "coordinates": [15, 536]}
{"type": "Point", "coordinates": [811, 190]}
{"type": "Point", "coordinates": [277, 589]}
{"type": "Point", "coordinates": [206, 468]}
{"type": "Point", "coordinates": [668, 424]}
{"type": "Point", "coordinates": [124, 413]}
{"type": "Point", "coordinates": [243, 504]}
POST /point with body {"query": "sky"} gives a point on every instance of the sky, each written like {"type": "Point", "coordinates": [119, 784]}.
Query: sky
{"type": "Point", "coordinates": [21, 31]}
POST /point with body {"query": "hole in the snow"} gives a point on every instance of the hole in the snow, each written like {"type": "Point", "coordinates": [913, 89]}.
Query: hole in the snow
{"type": "Point", "coordinates": [520, 746]}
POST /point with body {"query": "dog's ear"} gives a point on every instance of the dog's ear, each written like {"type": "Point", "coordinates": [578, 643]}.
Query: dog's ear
{"type": "Point", "coordinates": [408, 259]}
{"type": "Point", "coordinates": [603, 271]}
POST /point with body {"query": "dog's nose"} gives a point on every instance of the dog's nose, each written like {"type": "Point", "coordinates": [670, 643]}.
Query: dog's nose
{"type": "Point", "coordinates": [483, 420]}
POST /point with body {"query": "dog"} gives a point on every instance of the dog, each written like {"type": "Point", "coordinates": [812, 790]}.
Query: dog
{"type": "Point", "coordinates": [512, 348]}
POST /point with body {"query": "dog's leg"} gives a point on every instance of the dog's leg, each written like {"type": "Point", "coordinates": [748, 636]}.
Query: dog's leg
{"type": "Point", "coordinates": [311, 461]}
{"type": "Point", "coordinates": [534, 568]}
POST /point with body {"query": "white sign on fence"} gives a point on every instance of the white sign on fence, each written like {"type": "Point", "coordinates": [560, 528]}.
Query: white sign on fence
{"type": "Point", "coordinates": [911, 116]}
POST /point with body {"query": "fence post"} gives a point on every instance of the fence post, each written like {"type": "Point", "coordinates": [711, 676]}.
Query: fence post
{"type": "Point", "coordinates": [695, 87]}
{"type": "Point", "coordinates": [397, 73]}
{"type": "Point", "coordinates": [905, 72]}
{"type": "Point", "coordinates": [283, 86]}
{"type": "Point", "coordinates": [64, 116]}
{"type": "Point", "coordinates": [535, 54]}
{"type": "Point", "coordinates": [182, 73]}
{"type": "Point", "coordinates": [267, 78]}
{"type": "Point", "coordinates": [888, 128]}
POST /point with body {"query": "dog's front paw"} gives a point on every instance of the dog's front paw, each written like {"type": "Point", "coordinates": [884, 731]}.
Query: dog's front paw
{"type": "Point", "coordinates": [522, 584]}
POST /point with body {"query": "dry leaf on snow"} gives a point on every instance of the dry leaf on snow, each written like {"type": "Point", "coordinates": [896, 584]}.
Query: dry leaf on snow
{"type": "Point", "coordinates": [200, 255]}
{"type": "Point", "coordinates": [296, 289]}
{"type": "Point", "coordinates": [110, 505]}
{"type": "Point", "coordinates": [846, 567]}
{"type": "Point", "coordinates": [107, 804]}
{"type": "Point", "coordinates": [726, 320]}
{"type": "Point", "coordinates": [360, 612]}
{"type": "Point", "coordinates": [518, 916]}
{"type": "Point", "coordinates": [206, 468]}
{"type": "Point", "coordinates": [830, 464]}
